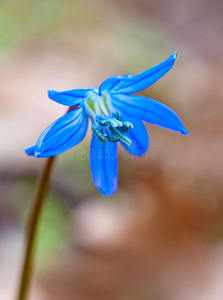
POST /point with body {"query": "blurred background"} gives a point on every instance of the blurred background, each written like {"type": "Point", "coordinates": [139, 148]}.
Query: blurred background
{"type": "Point", "coordinates": [160, 237]}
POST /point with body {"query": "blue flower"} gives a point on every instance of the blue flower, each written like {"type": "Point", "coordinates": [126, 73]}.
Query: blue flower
{"type": "Point", "coordinates": [116, 116]}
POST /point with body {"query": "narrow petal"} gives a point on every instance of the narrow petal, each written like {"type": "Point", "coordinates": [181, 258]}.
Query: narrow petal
{"type": "Point", "coordinates": [104, 166]}
{"type": "Point", "coordinates": [30, 150]}
{"type": "Point", "coordinates": [149, 110]}
{"type": "Point", "coordinates": [114, 82]}
{"type": "Point", "coordinates": [63, 134]}
{"type": "Point", "coordinates": [109, 83]}
{"type": "Point", "coordinates": [69, 98]}
{"type": "Point", "coordinates": [139, 137]}
{"type": "Point", "coordinates": [143, 80]}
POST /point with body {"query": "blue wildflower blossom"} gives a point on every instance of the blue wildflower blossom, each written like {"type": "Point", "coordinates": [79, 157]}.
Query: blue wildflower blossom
{"type": "Point", "coordinates": [116, 116]}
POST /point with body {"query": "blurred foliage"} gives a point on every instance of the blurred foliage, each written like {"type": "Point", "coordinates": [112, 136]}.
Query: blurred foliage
{"type": "Point", "coordinates": [127, 41]}
{"type": "Point", "coordinates": [52, 233]}
{"type": "Point", "coordinates": [54, 223]}
{"type": "Point", "coordinates": [24, 19]}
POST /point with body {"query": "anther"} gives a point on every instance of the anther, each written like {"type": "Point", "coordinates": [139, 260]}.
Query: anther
{"type": "Point", "coordinates": [104, 121]}
{"type": "Point", "coordinates": [113, 138]}
{"type": "Point", "coordinates": [126, 126]}
{"type": "Point", "coordinates": [121, 136]}
{"type": "Point", "coordinates": [117, 115]}
{"type": "Point", "coordinates": [98, 134]}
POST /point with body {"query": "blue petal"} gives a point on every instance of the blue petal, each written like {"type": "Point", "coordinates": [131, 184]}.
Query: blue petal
{"type": "Point", "coordinates": [138, 135]}
{"type": "Point", "coordinates": [114, 82]}
{"type": "Point", "coordinates": [61, 135]}
{"type": "Point", "coordinates": [145, 79]}
{"type": "Point", "coordinates": [30, 150]}
{"type": "Point", "coordinates": [69, 98]}
{"type": "Point", "coordinates": [149, 110]}
{"type": "Point", "coordinates": [109, 83]}
{"type": "Point", "coordinates": [104, 166]}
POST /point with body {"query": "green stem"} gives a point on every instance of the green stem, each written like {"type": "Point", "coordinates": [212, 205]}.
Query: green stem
{"type": "Point", "coordinates": [32, 229]}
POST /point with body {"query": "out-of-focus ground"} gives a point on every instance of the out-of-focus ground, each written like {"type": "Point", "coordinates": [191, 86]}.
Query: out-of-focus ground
{"type": "Point", "coordinates": [160, 236]}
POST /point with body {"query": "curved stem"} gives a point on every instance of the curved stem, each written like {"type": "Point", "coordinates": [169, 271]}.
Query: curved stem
{"type": "Point", "coordinates": [32, 229]}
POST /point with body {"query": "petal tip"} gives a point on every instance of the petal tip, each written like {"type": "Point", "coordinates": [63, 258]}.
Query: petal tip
{"type": "Point", "coordinates": [30, 150]}
{"type": "Point", "coordinates": [185, 131]}
{"type": "Point", "coordinates": [37, 153]}
{"type": "Point", "coordinates": [175, 55]}
{"type": "Point", "coordinates": [108, 193]}
{"type": "Point", "coordinates": [51, 94]}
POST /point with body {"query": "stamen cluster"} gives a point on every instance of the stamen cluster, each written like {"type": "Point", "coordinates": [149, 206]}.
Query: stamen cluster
{"type": "Point", "coordinates": [112, 125]}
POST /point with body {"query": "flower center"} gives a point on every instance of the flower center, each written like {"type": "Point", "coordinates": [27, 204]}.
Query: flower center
{"type": "Point", "coordinates": [106, 122]}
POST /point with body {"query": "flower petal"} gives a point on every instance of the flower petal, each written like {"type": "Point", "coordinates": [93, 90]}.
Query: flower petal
{"type": "Point", "coordinates": [149, 110]}
{"type": "Point", "coordinates": [114, 82]}
{"type": "Point", "coordinates": [104, 166]}
{"type": "Point", "coordinates": [109, 83]}
{"type": "Point", "coordinates": [30, 150]}
{"type": "Point", "coordinates": [138, 135]}
{"type": "Point", "coordinates": [145, 79]}
{"type": "Point", "coordinates": [69, 98]}
{"type": "Point", "coordinates": [61, 135]}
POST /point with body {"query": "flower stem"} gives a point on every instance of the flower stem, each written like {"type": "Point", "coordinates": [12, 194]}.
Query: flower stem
{"type": "Point", "coordinates": [32, 229]}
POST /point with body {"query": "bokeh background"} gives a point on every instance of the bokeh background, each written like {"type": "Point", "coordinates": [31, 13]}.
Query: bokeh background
{"type": "Point", "coordinates": [160, 237]}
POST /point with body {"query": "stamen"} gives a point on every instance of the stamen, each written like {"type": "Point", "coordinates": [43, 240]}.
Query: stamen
{"type": "Point", "coordinates": [126, 126]}
{"type": "Point", "coordinates": [107, 102]}
{"type": "Point", "coordinates": [97, 108]}
{"type": "Point", "coordinates": [102, 107]}
{"type": "Point", "coordinates": [117, 115]}
{"type": "Point", "coordinates": [104, 121]}
{"type": "Point", "coordinates": [98, 134]}
{"type": "Point", "coordinates": [113, 138]}
{"type": "Point", "coordinates": [89, 110]}
{"type": "Point", "coordinates": [121, 136]}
